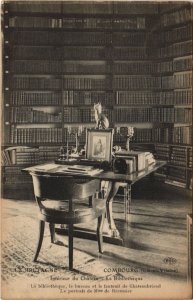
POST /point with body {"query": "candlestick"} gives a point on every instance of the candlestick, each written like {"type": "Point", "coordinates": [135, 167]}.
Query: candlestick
{"type": "Point", "coordinates": [67, 151]}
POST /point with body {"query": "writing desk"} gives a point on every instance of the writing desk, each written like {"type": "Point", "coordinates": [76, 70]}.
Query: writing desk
{"type": "Point", "coordinates": [114, 181]}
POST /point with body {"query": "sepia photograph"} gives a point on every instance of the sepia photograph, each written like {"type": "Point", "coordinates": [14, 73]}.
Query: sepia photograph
{"type": "Point", "coordinates": [96, 149]}
{"type": "Point", "coordinates": [99, 144]}
{"type": "Point", "coordinates": [99, 147]}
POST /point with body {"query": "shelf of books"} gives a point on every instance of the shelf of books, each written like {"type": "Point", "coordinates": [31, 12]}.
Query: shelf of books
{"type": "Point", "coordinates": [62, 58]}
{"type": "Point", "coordinates": [175, 68]}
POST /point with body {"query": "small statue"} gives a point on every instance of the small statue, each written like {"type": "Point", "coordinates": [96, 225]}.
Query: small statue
{"type": "Point", "coordinates": [101, 120]}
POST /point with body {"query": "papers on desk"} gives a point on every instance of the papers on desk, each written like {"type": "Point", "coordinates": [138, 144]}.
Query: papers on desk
{"type": "Point", "coordinates": [45, 167]}
{"type": "Point", "coordinates": [79, 169]}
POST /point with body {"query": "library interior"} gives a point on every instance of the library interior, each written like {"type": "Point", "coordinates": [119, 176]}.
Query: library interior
{"type": "Point", "coordinates": [97, 94]}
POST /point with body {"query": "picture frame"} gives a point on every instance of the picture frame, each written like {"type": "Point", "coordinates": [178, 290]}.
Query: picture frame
{"type": "Point", "coordinates": [99, 143]}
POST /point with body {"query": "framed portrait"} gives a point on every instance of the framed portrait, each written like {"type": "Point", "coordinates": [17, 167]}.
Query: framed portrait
{"type": "Point", "coordinates": [99, 144]}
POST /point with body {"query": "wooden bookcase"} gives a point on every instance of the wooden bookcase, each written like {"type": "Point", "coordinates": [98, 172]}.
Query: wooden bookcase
{"type": "Point", "coordinates": [61, 58]}
{"type": "Point", "coordinates": [175, 69]}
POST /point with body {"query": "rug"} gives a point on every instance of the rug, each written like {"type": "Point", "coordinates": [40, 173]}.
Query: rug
{"type": "Point", "coordinates": [140, 262]}
{"type": "Point", "coordinates": [18, 248]}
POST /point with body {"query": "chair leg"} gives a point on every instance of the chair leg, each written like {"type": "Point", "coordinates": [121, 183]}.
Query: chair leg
{"type": "Point", "coordinates": [41, 235]}
{"type": "Point", "coordinates": [100, 232]}
{"type": "Point", "coordinates": [70, 246]}
{"type": "Point", "coordinates": [90, 201]}
{"type": "Point", "coordinates": [52, 232]}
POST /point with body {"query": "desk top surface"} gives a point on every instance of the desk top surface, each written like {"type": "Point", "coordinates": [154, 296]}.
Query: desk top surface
{"type": "Point", "coordinates": [59, 170]}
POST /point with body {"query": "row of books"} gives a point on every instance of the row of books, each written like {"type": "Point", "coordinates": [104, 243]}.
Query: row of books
{"type": "Point", "coordinates": [183, 80]}
{"type": "Point", "coordinates": [190, 155]}
{"type": "Point", "coordinates": [181, 97]}
{"type": "Point", "coordinates": [129, 23]}
{"type": "Point", "coordinates": [135, 67]}
{"type": "Point", "coordinates": [86, 83]}
{"type": "Point", "coordinates": [165, 66]}
{"type": "Point", "coordinates": [167, 7]}
{"type": "Point", "coordinates": [145, 135]}
{"type": "Point", "coordinates": [61, 38]}
{"type": "Point", "coordinates": [94, 67]}
{"type": "Point", "coordinates": [78, 52]}
{"type": "Point", "coordinates": [71, 137]}
{"type": "Point", "coordinates": [16, 178]}
{"type": "Point", "coordinates": [28, 155]}
{"type": "Point", "coordinates": [13, 170]}
{"type": "Point", "coordinates": [164, 114]}
{"type": "Point", "coordinates": [78, 115]}
{"type": "Point", "coordinates": [48, 153]}
{"type": "Point", "coordinates": [177, 174]}
{"type": "Point", "coordinates": [174, 66]}
{"type": "Point", "coordinates": [70, 97]}
{"type": "Point", "coordinates": [31, 159]}
{"type": "Point", "coordinates": [176, 34]}
{"type": "Point", "coordinates": [157, 98]}
{"type": "Point", "coordinates": [59, 67]}
{"type": "Point", "coordinates": [35, 135]}
{"type": "Point", "coordinates": [13, 175]}
{"type": "Point", "coordinates": [36, 83]}
{"type": "Point", "coordinates": [18, 155]}
{"type": "Point", "coordinates": [141, 135]}
{"type": "Point", "coordinates": [162, 151]}
{"type": "Point", "coordinates": [175, 50]}
{"type": "Point", "coordinates": [132, 22]}
{"type": "Point", "coordinates": [86, 98]}
{"type": "Point", "coordinates": [136, 98]}
{"type": "Point", "coordinates": [177, 17]}
{"type": "Point", "coordinates": [35, 98]}
{"type": "Point", "coordinates": [30, 115]}
{"type": "Point", "coordinates": [179, 156]}
{"type": "Point", "coordinates": [49, 38]}
{"type": "Point", "coordinates": [136, 82]}
{"type": "Point", "coordinates": [167, 82]}
{"type": "Point", "coordinates": [154, 135]}
{"type": "Point", "coordinates": [182, 135]}
{"type": "Point", "coordinates": [182, 64]}
{"type": "Point", "coordinates": [60, 53]}
{"type": "Point", "coordinates": [129, 53]}
{"type": "Point", "coordinates": [177, 81]}
{"type": "Point", "coordinates": [126, 38]}
{"type": "Point", "coordinates": [174, 115]}
{"type": "Point", "coordinates": [68, 7]}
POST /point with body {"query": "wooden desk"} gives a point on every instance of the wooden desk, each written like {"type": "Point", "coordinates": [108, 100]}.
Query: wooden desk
{"type": "Point", "coordinates": [114, 182]}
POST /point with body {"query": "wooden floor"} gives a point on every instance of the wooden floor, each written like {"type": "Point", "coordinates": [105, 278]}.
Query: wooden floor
{"type": "Point", "coordinates": [156, 231]}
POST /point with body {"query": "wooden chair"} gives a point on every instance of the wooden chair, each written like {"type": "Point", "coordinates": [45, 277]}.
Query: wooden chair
{"type": "Point", "coordinates": [62, 200]}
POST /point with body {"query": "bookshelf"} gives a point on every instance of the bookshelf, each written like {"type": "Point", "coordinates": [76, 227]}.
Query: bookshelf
{"type": "Point", "coordinates": [175, 56]}
{"type": "Point", "coordinates": [60, 59]}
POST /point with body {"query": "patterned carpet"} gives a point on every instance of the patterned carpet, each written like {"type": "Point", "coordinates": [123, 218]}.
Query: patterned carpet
{"type": "Point", "coordinates": [150, 239]}
{"type": "Point", "coordinates": [18, 248]}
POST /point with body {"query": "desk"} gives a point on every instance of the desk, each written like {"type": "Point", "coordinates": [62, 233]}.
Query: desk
{"type": "Point", "coordinates": [114, 182]}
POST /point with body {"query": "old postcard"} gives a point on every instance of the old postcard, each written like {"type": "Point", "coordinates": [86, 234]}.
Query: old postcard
{"type": "Point", "coordinates": [96, 150]}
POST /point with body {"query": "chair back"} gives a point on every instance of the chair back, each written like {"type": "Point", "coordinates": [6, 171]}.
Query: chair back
{"type": "Point", "coordinates": [52, 187]}
{"type": "Point", "coordinates": [62, 199]}
{"type": "Point", "coordinates": [62, 188]}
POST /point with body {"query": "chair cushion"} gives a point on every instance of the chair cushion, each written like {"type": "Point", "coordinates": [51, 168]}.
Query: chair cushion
{"type": "Point", "coordinates": [81, 209]}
